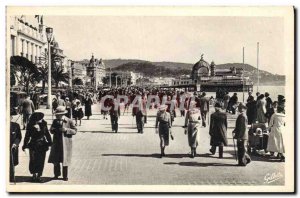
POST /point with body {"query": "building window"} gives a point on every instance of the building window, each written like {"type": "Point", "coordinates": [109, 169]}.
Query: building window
{"type": "Point", "coordinates": [12, 45]}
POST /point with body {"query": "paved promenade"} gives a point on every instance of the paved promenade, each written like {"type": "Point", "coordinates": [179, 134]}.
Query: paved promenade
{"type": "Point", "coordinates": [126, 157]}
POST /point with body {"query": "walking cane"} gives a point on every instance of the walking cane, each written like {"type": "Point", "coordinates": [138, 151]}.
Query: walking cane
{"type": "Point", "coordinates": [13, 165]}
{"type": "Point", "coordinates": [234, 148]}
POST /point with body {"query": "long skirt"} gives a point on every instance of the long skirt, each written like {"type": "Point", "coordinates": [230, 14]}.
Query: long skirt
{"type": "Point", "coordinates": [275, 141]}
{"type": "Point", "coordinates": [193, 134]}
{"type": "Point", "coordinates": [88, 110]}
{"type": "Point", "coordinates": [36, 161]}
{"type": "Point", "coordinates": [164, 132]}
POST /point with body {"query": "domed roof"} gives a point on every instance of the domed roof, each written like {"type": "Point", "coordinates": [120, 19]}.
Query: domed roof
{"type": "Point", "coordinates": [200, 63]}
{"type": "Point", "coordinates": [92, 60]}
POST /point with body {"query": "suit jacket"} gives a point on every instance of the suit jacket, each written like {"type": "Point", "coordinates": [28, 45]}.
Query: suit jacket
{"type": "Point", "coordinates": [204, 104]}
{"type": "Point", "coordinates": [27, 106]}
{"type": "Point", "coordinates": [241, 127]}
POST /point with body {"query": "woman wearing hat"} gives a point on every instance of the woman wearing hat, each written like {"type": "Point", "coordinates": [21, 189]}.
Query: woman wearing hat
{"type": "Point", "coordinates": [62, 129]}
{"type": "Point", "coordinates": [88, 106]}
{"type": "Point", "coordinates": [192, 125]}
{"type": "Point", "coordinates": [163, 127]}
{"type": "Point", "coordinates": [218, 130]}
{"type": "Point", "coordinates": [276, 136]}
{"type": "Point", "coordinates": [37, 140]}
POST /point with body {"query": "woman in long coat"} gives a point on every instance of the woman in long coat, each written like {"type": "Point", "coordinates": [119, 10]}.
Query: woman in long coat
{"type": "Point", "coordinates": [192, 125]}
{"type": "Point", "coordinates": [163, 127]}
{"type": "Point", "coordinates": [276, 139]}
{"type": "Point", "coordinates": [37, 140]}
{"type": "Point", "coordinates": [218, 130]}
{"type": "Point", "coordinates": [251, 110]}
{"type": "Point", "coordinates": [62, 129]}
{"type": "Point", "coordinates": [88, 106]}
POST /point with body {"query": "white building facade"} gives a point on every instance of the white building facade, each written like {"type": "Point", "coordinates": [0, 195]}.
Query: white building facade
{"type": "Point", "coordinates": [26, 38]}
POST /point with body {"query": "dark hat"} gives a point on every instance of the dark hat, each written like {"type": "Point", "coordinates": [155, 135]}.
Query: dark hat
{"type": "Point", "coordinates": [218, 105]}
{"type": "Point", "coordinates": [13, 111]}
{"type": "Point", "coordinates": [280, 97]}
{"type": "Point", "coordinates": [242, 106]}
{"type": "Point", "coordinates": [36, 116]}
{"type": "Point", "coordinates": [267, 94]}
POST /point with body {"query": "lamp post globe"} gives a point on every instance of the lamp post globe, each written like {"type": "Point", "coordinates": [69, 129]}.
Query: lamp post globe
{"type": "Point", "coordinates": [49, 34]}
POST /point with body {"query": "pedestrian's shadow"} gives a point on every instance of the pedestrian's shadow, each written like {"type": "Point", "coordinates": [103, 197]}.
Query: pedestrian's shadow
{"type": "Point", "coordinates": [197, 164]}
{"type": "Point", "coordinates": [109, 132]}
{"type": "Point", "coordinates": [28, 179]}
{"type": "Point", "coordinates": [209, 155]}
{"type": "Point", "coordinates": [154, 155]}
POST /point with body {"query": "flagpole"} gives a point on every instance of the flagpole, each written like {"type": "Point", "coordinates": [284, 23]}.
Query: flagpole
{"type": "Point", "coordinates": [257, 67]}
{"type": "Point", "coordinates": [243, 73]}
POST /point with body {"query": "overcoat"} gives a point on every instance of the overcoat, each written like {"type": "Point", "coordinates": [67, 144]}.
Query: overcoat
{"type": "Point", "coordinates": [192, 123]}
{"type": "Point", "coordinates": [61, 149]}
{"type": "Point", "coordinates": [276, 136]}
{"type": "Point", "coordinates": [261, 111]}
{"type": "Point", "coordinates": [218, 129]}
{"type": "Point", "coordinates": [251, 112]}
{"type": "Point", "coordinates": [241, 127]}
{"type": "Point", "coordinates": [38, 143]}
{"type": "Point", "coordinates": [88, 106]}
{"type": "Point", "coordinates": [15, 138]}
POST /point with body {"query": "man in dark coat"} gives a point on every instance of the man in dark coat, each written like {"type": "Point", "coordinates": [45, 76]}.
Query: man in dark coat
{"type": "Point", "coordinates": [114, 113]}
{"type": "Point", "coordinates": [218, 130]}
{"type": "Point", "coordinates": [204, 108]}
{"type": "Point", "coordinates": [232, 102]}
{"type": "Point", "coordinates": [251, 110]}
{"type": "Point", "coordinates": [240, 133]}
{"type": "Point", "coordinates": [15, 139]}
{"type": "Point", "coordinates": [27, 108]}
{"type": "Point", "coordinates": [269, 107]}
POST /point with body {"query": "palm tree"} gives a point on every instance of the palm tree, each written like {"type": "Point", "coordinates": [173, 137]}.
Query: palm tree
{"type": "Point", "coordinates": [24, 71]}
{"type": "Point", "coordinates": [58, 75]}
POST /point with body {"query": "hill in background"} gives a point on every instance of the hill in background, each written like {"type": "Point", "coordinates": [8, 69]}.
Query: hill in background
{"type": "Point", "coordinates": [174, 69]}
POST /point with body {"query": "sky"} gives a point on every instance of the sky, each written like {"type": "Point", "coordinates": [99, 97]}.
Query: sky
{"type": "Point", "coordinates": [172, 38]}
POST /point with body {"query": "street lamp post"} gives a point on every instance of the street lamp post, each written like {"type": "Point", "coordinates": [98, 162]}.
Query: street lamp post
{"type": "Point", "coordinates": [49, 33]}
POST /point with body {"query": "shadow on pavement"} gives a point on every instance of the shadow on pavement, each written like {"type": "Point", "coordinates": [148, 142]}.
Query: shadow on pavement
{"type": "Point", "coordinates": [197, 164]}
{"type": "Point", "coordinates": [107, 132]}
{"type": "Point", "coordinates": [154, 155]}
{"type": "Point", "coordinates": [212, 156]}
{"type": "Point", "coordinates": [28, 179]}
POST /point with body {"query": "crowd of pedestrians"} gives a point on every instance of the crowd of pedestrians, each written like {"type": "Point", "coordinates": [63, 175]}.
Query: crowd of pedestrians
{"type": "Point", "coordinates": [69, 109]}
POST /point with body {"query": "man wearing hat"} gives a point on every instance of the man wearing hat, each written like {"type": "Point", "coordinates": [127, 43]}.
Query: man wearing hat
{"type": "Point", "coordinates": [163, 127]}
{"type": "Point", "coordinates": [240, 133]}
{"type": "Point", "coordinates": [62, 129]}
{"type": "Point", "coordinates": [15, 139]}
{"type": "Point", "coordinates": [204, 108]}
{"type": "Point", "coordinates": [218, 130]}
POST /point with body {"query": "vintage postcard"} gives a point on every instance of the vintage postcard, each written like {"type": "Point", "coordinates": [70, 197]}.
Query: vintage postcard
{"type": "Point", "coordinates": [150, 99]}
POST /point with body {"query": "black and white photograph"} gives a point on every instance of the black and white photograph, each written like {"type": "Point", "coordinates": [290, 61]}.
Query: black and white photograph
{"type": "Point", "coordinates": [150, 99]}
